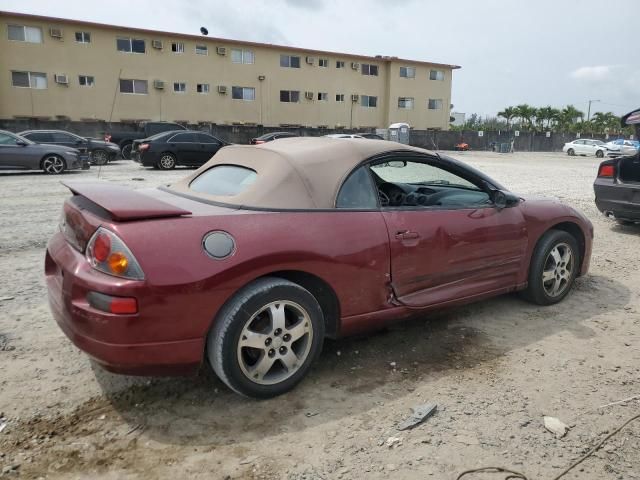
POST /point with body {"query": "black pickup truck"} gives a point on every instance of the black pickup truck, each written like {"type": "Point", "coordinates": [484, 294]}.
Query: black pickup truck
{"type": "Point", "coordinates": [125, 139]}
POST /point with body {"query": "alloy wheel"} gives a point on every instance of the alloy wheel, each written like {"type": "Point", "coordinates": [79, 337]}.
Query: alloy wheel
{"type": "Point", "coordinates": [167, 162]}
{"type": "Point", "coordinates": [99, 157]}
{"type": "Point", "coordinates": [53, 164]}
{"type": "Point", "coordinates": [558, 270]}
{"type": "Point", "coordinates": [275, 342]}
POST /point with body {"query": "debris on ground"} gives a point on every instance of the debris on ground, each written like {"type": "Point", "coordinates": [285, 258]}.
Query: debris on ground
{"type": "Point", "coordinates": [420, 414]}
{"type": "Point", "coordinates": [555, 426]}
{"type": "Point", "coordinates": [393, 442]}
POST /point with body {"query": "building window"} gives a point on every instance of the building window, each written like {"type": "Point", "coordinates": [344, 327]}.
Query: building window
{"type": "Point", "coordinates": [323, 96]}
{"type": "Point", "coordinates": [130, 45]}
{"type": "Point", "coordinates": [177, 47]}
{"type": "Point", "coordinates": [290, 96]}
{"type": "Point", "coordinates": [323, 62]}
{"type": "Point", "coordinates": [289, 61]}
{"type": "Point", "coordinates": [202, 88]}
{"type": "Point", "coordinates": [202, 50]}
{"type": "Point", "coordinates": [86, 80]}
{"type": "Point", "coordinates": [339, 64]}
{"type": "Point", "coordinates": [243, 93]}
{"type": "Point", "coordinates": [435, 104]}
{"type": "Point", "coordinates": [29, 80]}
{"type": "Point", "coordinates": [405, 102]}
{"type": "Point", "coordinates": [339, 97]}
{"type": "Point", "coordinates": [369, 69]}
{"type": "Point", "coordinates": [368, 101]}
{"type": "Point", "coordinates": [179, 87]}
{"type": "Point", "coordinates": [239, 55]}
{"type": "Point", "coordinates": [83, 37]}
{"type": "Point", "coordinates": [138, 87]}
{"type": "Point", "coordinates": [408, 72]}
{"type": "Point", "coordinates": [436, 75]}
{"type": "Point", "coordinates": [20, 33]}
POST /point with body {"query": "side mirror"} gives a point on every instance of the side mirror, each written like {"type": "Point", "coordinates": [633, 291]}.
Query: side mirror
{"type": "Point", "coordinates": [502, 199]}
{"type": "Point", "coordinates": [21, 143]}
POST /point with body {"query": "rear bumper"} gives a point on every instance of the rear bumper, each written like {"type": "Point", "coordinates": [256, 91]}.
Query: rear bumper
{"type": "Point", "coordinates": [620, 200]}
{"type": "Point", "coordinates": [116, 342]}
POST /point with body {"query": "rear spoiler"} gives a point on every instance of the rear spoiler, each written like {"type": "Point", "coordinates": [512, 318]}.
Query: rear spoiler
{"type": "Point", "coordinates": [124, 203]}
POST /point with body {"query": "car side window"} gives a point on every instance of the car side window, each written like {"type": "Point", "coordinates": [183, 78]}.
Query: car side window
{"type": "Point", "coordinates": [7, 139]}
{"type": "Point", "coordinates": [60, 137]}
{"type": "Point", "coordinates": [204, 138]}
{"type": "Point", "coordinates": [39, 137]}
{"type": "Point", "coordinates": [409, 183]}
{"type": "Point", "coordinates": [183, 138]}
{"type": "Point", "coordinates": [358, 191]}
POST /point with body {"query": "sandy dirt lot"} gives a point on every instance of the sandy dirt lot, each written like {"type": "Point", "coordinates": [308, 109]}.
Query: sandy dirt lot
{"type": "Point", "coordinates": [494, 368]}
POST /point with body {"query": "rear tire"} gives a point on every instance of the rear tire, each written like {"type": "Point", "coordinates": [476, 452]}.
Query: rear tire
{"type": "Point", "coordinates": [266, 338]}
{"type": "Point", "coordinates": [553, 269]}
{"type": "Point", "coordinates": [571, 152]}
{"type": "Point", "coordinates": [167, 161]}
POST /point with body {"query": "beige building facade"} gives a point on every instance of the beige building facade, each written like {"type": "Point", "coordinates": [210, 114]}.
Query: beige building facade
{"type": "Point", "coordinates": [53, 68]}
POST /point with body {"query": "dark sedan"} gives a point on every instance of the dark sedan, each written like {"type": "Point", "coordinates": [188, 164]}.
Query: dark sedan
{"type": "Point", "coordinates": [177, 147]}
{"type": "Point", "coordinates": [270, 137]}
{"type": "Point", "coordinates": [617, 186]}
{"type": "Point", "coordinates": [100, 152]}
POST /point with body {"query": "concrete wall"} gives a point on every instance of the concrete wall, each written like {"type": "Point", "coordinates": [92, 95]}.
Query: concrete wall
{"type": "Point", "coordinates": [107, 65]}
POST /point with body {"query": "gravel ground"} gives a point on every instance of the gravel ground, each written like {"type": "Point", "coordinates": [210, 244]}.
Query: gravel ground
{"type": "Point", "coordinates": [494, 368]}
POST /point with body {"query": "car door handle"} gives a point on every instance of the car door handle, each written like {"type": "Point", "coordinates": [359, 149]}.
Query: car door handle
{"type": "Point", "coordinates": [407, 235]}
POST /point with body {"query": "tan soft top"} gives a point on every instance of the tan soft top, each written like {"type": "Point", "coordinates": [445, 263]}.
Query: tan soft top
{"type": "Point", "coordinates": [293, 173]}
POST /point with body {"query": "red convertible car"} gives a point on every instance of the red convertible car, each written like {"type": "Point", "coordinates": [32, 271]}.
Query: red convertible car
{"type": "Point", "coordinates": [256, 257]}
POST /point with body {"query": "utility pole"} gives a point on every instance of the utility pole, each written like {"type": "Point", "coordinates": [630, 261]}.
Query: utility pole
{"type": "Point", "coordinates": [589, 110]}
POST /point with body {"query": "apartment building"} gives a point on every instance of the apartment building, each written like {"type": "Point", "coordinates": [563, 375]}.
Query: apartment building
{"type": "Point", "coordinates": [53, 68]}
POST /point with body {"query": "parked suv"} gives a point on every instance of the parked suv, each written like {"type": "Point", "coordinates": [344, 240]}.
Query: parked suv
{"type": "Point", "coordinates": [100, 152]}
{"type": "Point", "coordinates": [125, 139]}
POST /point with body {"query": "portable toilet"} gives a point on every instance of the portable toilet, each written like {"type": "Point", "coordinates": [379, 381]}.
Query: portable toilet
{"type": "Point", "coordinates": [399, 132]}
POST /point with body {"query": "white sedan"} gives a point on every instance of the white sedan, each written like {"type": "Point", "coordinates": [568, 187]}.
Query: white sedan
{"type": "Point", "coordinates": [344, 135]}
{"type": "Point", "coordinates": [585, 147]}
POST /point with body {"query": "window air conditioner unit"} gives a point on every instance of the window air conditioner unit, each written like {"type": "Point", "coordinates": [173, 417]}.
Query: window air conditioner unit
{"type": "Point", "coordinates": [159, 84]}
{"type": "Point", "coordinates": [61, 78]}
{"type": "Point", "coordinates": [355, 65]}
{"type": "Point", "coordinates": [355, 97]}
{"type": "Point", "coordinates": [308, 95]}
{"type": "Point", "coordinates": [221, 50]}
{"type": "Point", "coordinates": [222, 89]}
{"type": "Point", "coordinates": [310, 60]}
{"type": "Point", "coordinates": [55, 32]}
{"type": "Point", "coordinates": [157, 44]}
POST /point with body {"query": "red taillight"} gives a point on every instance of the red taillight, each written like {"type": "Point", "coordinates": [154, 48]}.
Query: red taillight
{"type": "Point", "coordinates": [607, 171]}
{"type": "Point", "coordinates": [101, 247]}
{"type": "Point", "coordinates": [258, 142]}
{"type": "Point", "coordinates": [107, 138]}
{"type": "Point", "coordinates": [107, 303]}
{"type": "Point", "coordinates": [143, 146]}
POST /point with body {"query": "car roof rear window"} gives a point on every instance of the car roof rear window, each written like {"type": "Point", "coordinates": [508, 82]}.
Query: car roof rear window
{"type": "Point", "coordinates": [225, 180]}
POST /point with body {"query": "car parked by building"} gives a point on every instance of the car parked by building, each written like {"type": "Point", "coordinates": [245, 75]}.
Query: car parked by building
{"type": "Point", "coordinates": [100, 152]}
{"type": "Point", "coordinates": [166, 150]}
{"type": "Point", "coordinates": [251, 261]}
{"type": "Point", "coordinates": [586, 147]}
{"type": "Point", "coordinates": [269, 137]}
{"type": "Point", "coordinates": [619, 147]}
{"type": "Point", "coordinates": [617, 185]}
{"type": "Point", "coordinates": [125, 139]}
{"type": "Point", "coordinates": [19, 153]}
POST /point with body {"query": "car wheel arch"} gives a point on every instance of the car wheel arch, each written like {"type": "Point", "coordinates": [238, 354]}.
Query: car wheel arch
{"type": "Point", "coordinates": [572, 229]}
{"type": "Point", "coordinates": [48, 154]}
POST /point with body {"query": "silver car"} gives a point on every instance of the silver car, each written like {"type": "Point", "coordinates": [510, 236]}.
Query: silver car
{"type": "Point", "coordinates": [18, 153]}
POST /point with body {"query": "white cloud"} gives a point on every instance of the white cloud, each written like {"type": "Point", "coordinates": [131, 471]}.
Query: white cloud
{"type": "Point", "coordinates": [596, 73]}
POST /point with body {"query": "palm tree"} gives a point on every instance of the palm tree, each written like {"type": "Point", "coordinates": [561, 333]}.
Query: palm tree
{"type": "Point", "coordinates": [544, 113]}
{"type": "Point", "coordinates": [526, 113]}
{"type": "Point", "coordinates": [508, 113]}
{"type": "Point", "coordinates": [569, 115]}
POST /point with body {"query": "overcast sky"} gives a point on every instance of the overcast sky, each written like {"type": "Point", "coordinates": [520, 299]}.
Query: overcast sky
{"type": "Point", "coordinates": [543, 52]}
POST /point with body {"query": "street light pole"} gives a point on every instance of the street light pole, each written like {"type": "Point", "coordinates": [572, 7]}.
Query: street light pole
{"type": "Point", "coordinates": [589, 110]}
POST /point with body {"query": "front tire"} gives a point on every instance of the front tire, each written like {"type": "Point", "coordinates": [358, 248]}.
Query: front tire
{"type": "Point", "coordinates": [53, 164]}
{"type": "Point", "coordinates": [571, 152]}
{"type": "Point", "coordinates": [554, 267]}
{"type": "Point", "coordinates": [167, 161]}
{"type": "Point", "coordinates": [126, 151]}
{"type": "Point", "coordinates": [266, 338]}
{"type": "Point", "coordinates": [99, 157]}
{"type": "Point", "coordinates": [599, 154]}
